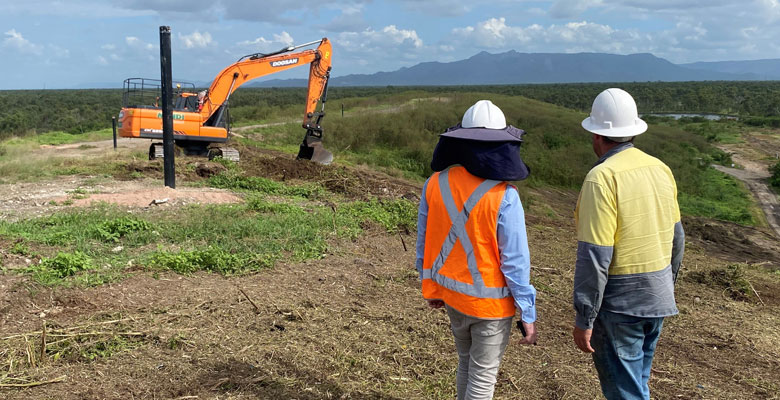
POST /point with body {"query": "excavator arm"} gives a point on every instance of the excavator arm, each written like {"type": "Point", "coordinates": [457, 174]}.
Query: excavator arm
{"type": "Point", "coordinates": [257, 65]}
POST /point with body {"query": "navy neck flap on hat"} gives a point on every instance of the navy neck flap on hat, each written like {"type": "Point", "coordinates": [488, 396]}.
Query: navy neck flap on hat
{"type": "Point", "coordinates": [489, 160]}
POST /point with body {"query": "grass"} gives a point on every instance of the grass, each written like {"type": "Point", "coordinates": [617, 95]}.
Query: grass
{"type": "Point", "coordinates": [720, 196]}
{"type": "Point", "coordinates": [278, 222]}
{"type": "Point", "coordinates": [21, 166]}
{"type": "Point", "coordinates": [56, 138]}
{"type": "Point", "coordinates": [732, 279]}
{"type": "Point", "coordinates": [556, 148]}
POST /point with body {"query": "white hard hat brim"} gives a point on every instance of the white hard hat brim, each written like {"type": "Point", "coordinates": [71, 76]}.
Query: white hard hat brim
{"type": "Point", "coordinates": [637, 129]}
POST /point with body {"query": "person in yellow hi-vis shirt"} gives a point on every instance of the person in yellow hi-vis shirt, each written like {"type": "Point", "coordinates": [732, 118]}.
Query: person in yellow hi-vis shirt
{"type": "Point", "coordinates": [629, 250]}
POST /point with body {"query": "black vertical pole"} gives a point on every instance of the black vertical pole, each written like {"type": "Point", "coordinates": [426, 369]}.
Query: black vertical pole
{"type": "Point", "coordinates": [167, 113]}
{"type": "Point", "coordinates": [113, 126]}
{"type": "Point", "coordinates": [342, 109]}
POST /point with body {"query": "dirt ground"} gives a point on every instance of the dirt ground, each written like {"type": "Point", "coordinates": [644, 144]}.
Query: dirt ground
{"type": "Point", "coordinates": [352, 325]}
{"type": "Point", "coordinates": [754, 156]}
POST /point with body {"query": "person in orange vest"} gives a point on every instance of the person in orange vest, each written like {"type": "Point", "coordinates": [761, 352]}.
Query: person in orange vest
{"type": "Point", "coordinates": [472, 248]}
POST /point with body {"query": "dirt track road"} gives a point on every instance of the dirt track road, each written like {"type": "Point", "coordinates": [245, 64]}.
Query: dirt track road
{"type": "Point", "coordinates": [754, 172]}
{"type": "Point", "coordinates": [766, 198]}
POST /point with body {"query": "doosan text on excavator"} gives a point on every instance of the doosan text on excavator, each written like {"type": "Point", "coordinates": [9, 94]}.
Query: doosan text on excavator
{"type": "Point", "coordinates": [201, 119]}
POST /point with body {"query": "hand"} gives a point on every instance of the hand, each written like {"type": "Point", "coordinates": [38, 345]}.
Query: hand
{"type": "Point", "coordinates": [530, 333]}
{"type": "Point", "coordinates": [582, 339]}
{"type": "Point", "coordinates": [435, 303]}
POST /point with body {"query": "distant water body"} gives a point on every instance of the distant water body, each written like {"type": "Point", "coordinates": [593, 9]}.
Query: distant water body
{"type": "Point", "coordinates": [711, 117]}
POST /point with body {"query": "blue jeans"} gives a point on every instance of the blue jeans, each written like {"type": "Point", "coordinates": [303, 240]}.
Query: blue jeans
{"type": "Point", "coordinates": [624, 348]}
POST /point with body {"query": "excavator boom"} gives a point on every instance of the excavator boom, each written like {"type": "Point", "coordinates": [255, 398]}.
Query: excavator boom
{"type": "Point", "coordinates": [257, 65]}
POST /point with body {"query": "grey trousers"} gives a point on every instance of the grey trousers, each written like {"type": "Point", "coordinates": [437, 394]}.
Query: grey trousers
{"type": "Point", "coordinates": [480, 344]}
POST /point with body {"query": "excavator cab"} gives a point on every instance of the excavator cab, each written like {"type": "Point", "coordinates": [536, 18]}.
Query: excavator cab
{"type": "Point", "coordinates": [186, 101]}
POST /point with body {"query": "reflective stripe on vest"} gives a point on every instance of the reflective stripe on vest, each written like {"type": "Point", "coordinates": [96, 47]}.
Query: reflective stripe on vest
{"type": "Point", "coordinates": [458, 231]}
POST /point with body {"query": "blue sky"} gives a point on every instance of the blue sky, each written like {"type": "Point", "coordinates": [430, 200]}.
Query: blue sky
{"type": "Point", "coordinates": [67, 43]}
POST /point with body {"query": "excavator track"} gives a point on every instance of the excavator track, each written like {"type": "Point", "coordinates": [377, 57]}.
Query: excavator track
{"type": "Point", "coordinates": [227, 153]}
{"type": "Point", "coordinates": [156, 151]}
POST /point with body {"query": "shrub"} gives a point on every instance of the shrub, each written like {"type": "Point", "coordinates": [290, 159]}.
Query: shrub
{"type": "Point", "coordinates": [263, 185]}
{"type": "Point", "coordinates": [774, 180]}
{"type": "Point", "coordinates": [112, 230]}
{"type": "Point", "coordinates": [210, 259]}
{"type": "Point", "coordinates": [63, 265]}
{"type": "Point", "coordinates": [391, 215]}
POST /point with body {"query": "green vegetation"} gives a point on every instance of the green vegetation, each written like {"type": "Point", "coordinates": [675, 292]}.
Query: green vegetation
{"type": "Point", "coordinates": [62, 265]}
{"type": "Point", "coordinates": [716, 195]}
{"type": "Point", "coordinates": [112, 230]}
{"type": "Point", "coordinates": [557, 150]}
{"type": "Point", "coordinates": [209, 259]}
{"type": "Point", "coordinates": [774, 180]}
{"type": "Point", "coordinates": [396, 130]}
{"type": "Point", "coordinates": [392, 130]}
{"type": "Point", "coordinates": [25, 112]}
{"type": "Point", "coordinates": [88, 348]}
{"type": "Point", "coordinates": [732, 279]}
{"type": "Point", "coordinates": [30, 112]}
{"type": "Point", "coordinates": [263, 185]}
{"type": "Point", "coordinates": [278, 222]}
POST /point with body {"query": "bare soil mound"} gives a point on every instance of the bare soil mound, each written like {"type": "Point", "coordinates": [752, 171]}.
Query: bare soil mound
{"type": "Point", "coordinates": [733, 242]}
{"type": "Point", "coordinates": [159, 196]}
{"type": "Point", "coordinates": [354, 182]}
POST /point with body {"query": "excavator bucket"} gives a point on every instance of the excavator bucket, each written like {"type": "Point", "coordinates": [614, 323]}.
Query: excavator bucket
{"type": "Point", "coordinates": [312, 149]}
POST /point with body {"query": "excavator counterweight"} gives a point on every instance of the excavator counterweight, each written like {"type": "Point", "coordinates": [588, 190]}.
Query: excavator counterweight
{"type": "Point", "coordinates": [201, 120]}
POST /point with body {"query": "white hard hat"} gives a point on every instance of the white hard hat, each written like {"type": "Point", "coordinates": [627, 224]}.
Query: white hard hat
{"type": "Point", "coordinates": [614, 115]}
{"type": "Point", "coordinates": [484, 114]}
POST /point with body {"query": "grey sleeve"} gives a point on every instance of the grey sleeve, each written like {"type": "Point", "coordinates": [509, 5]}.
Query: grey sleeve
{"type": "Point", "coordinates": [590, 278]}
{"type": "Point", "coordinates": [678, 248]}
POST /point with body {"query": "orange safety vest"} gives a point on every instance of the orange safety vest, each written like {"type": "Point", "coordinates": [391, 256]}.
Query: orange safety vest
{"type": "Point", "coordinates": [461, 262]}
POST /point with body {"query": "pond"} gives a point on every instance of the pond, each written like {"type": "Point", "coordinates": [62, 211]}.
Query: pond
{"type": "Point", "coordinates": [711, 117]}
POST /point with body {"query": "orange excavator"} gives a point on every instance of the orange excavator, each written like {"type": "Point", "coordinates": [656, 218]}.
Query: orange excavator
{"type": "Point", "coordinates": [201, 119]}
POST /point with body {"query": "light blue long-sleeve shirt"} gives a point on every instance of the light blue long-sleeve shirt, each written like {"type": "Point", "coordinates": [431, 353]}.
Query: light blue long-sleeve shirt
{"type": "Point", "coordinates": [512, 247]}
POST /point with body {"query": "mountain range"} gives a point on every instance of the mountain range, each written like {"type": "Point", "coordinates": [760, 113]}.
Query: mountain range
{"type": "Point", "coordinates": [512, 67]}
{"type": "Point", "coordinates": [515, 68]}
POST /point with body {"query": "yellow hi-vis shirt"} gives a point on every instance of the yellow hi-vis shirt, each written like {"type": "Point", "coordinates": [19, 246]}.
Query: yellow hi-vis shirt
{"type": "Point", "coordinates": [629, 202]}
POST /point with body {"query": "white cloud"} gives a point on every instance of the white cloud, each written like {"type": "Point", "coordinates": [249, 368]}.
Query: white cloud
{"type": "Point", "coordinates": [70, 8]}
{"type": "Point", "coordinates": [571, 37]}
{"type": "Point", "coordinates": [703, 37]}
{"type": "Point", "coordinates": [390, 40]}
{"type": "Point", "coordinates": [101, 61]}
{"type": "Point", "coordinates": [15, 40]}
{"type": "Point", "coordinates": [350, 20]}
{"type": "Point", "coordinates": [108, 47]}
{"type": "Point", "coordinates": [196, 40]}
{"type": "Point", "coordinates": [385, 49]}
{"type": "Point", "coordinates": [440, 7]}
{"type": "Point", "coordinates": [282, 11]}
{"type": "Point", "coordinates": [570, 8]}
{"type": "Point", "coordinates": [57, 51]}
{"type": "Point", "coordinates": [263, 45]}
{"type": "Point", "coordinates": [136, 43]}
{"type": "Point", "coordinates": [535, 12]}
{"type": "Point", "coordinates": [670, 4]}
{"type": "Point", "coordinates": [400, 36]}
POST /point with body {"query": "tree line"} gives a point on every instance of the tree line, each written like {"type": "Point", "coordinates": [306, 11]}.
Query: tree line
{"type": "Point", "coordinates": [25, 112]}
